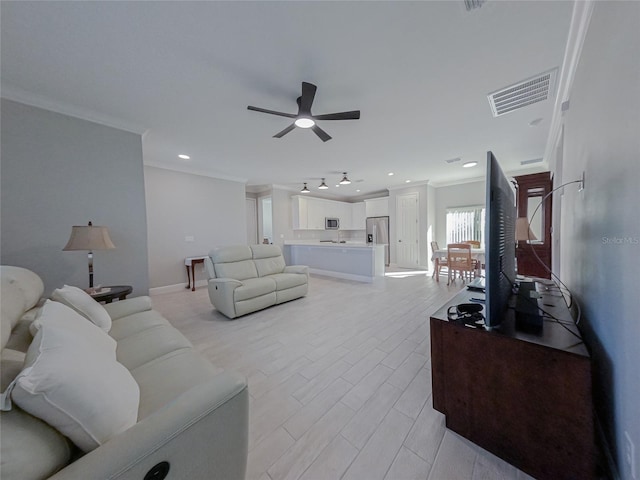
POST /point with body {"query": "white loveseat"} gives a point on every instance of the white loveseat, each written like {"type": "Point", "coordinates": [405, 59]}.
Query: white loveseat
{"type": "Point", "coordinates": [244, 279]}
{"type": "Point", "coordinates": [192, 418]}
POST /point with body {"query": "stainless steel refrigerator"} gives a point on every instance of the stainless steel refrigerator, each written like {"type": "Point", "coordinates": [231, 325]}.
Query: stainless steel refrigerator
{"type": "Point", "coordinates": [378, 233]}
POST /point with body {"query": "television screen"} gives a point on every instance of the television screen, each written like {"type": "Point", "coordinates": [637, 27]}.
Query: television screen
{"type": "Point", "coordinates": [500, 254]}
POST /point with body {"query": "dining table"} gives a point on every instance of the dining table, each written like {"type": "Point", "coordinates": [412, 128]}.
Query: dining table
{"type": "Point", "coordinates": [441, 254]}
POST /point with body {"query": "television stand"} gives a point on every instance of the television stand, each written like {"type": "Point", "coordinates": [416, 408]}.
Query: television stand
{"type": "Point", "coordinates": [525, 397]}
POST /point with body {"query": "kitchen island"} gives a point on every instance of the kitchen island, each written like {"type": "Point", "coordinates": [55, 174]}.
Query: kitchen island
{"type": "Point", "coordinates": [352, 261]}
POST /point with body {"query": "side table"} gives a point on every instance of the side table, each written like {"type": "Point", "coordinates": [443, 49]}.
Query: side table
{"type": "Point", "coordinates": [191, 262]}
{"type": "Point", "coordinates": [114, 291]}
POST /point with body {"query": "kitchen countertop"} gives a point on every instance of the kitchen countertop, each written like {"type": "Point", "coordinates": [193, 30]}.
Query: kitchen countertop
{"type": "Point", "coordinates": [317, 243]}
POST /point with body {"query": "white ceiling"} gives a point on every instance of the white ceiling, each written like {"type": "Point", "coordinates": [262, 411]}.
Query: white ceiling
{"type": "Point", "coordinates": [184, 73]}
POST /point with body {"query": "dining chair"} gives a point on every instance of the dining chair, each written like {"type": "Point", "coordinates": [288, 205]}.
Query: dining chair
{"type": "Point", "coordinates": [473, 243]}
{"type": "Point", "coordinates": [460, 261]}
{"type": "Point", "coordinates": [438, 262]}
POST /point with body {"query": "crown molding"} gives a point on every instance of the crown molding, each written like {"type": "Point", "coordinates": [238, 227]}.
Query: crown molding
{"type": "Point", "coordinates": [17, 94]}
{"type": "Point", "coordinates": [580, 18]}
{"type": "Point", "coordinates": [409, 185]}
{"type": "Point", "coordinates": [195, 171]}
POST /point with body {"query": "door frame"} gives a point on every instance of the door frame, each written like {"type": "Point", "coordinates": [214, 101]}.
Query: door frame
{"type": "Point", "coordinates": [400, 234]}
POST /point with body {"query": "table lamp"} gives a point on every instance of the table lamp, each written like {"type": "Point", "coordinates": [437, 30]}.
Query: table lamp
{"type": "Point", "coordinates": [90, 238]}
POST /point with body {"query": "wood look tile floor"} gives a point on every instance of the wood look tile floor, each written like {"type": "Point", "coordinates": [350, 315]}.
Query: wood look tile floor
{"type": "Point", "coordinates": [339, 381]}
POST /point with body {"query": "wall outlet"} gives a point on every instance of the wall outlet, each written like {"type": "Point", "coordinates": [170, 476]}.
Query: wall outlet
{"type": "Point", "coordinates": [630, 455]}
{"type": "Point", "coordinates": [189, 238]}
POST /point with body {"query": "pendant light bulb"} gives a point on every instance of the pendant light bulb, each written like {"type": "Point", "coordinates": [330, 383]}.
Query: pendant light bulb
{"type": "Point", "coordinates": [345, 180]}
{"type": "Point", "coordinates": [323, 186]}
{"type": "Point", "coordinates": [305, 189]}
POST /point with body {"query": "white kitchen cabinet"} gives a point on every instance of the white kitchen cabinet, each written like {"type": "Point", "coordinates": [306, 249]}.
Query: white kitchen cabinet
{"type": "Point", "coordinates": [377, 207]}
{"type": "Point", "coordinates": [358, 216]}
{"type": "Point", "coordinates": [316, 213]}
{"type": "Point", "coordinates": [299, 213]}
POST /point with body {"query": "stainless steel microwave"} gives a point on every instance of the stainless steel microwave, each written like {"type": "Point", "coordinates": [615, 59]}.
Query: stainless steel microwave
{"type": "Point", "coordinates": [331, 223]}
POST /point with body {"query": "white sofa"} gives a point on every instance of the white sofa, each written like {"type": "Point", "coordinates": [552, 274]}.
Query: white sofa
{"type": "Point", "coordinates": [191, 415]}
{"type": "Point", "coordinates": [244, 279]}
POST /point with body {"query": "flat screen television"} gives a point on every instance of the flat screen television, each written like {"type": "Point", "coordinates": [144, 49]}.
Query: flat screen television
{"type": "Point", "coordinates": [500, 244]}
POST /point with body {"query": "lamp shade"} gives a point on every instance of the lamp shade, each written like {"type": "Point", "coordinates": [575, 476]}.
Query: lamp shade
{"type": "Point", "coordinates": [89, 237]}
{"type": "Point", "coordinates": [523, 230]}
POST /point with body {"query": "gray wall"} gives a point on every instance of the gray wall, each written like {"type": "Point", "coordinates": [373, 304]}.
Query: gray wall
{"type": "Point", "coordinates": [463, 195]}
{"type": "Point", "coordinates": [180, 205]}
{"type": "Point", "coordinates": [58, 171]}
{"type": "Point", "coordinates": [601, 225]}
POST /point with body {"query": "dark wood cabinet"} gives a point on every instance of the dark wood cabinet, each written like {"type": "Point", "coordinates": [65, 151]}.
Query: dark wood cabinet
{"type": "Point", "coordinates": [532, 255]}
{"type": "Point", "coordinates": [524, 397]}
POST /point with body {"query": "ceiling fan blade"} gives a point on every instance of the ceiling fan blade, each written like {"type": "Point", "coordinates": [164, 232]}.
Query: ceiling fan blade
{"type": "Point", "coordinates": [352, 115]}
{"type": "Point", "coordinates": [324, 136]}
{"type": "Point", "coordinates": [308, 94]}
{"type": "Point", "coordinates": [272, 112]}
{"type": "Point", "coordinates": [285, 131]}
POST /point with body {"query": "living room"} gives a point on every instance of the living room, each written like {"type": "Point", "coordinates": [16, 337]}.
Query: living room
{"type": "Point", "coordinates": [63, 165]}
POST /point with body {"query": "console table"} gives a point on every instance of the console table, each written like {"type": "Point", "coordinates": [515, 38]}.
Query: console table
{"type": "Point", "coordinates": [191, 262]}
{"type": "Point", "coordinates": [525, 397]}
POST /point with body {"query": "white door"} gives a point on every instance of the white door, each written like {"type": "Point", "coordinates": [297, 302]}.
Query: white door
{"type": "Point", "coordinates": [407, 230]}
{"type": "Point", "coordinates": [252, 221]}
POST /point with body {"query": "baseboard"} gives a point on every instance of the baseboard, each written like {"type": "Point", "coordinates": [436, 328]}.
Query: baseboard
{"type": "Point", "coordinates": [344, 276]}
{"type": "Point", "coordinates": [178, 287]}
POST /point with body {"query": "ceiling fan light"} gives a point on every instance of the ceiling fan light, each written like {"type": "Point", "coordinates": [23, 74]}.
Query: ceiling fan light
{"type": "Point", "coordinates": [305, 189]}
{"type": "Point", "coordinates": [323, 186]}
{"type": "Point", "coordinates": [345, 180]}
{"type": "Point", "coordinates": [304, 122]}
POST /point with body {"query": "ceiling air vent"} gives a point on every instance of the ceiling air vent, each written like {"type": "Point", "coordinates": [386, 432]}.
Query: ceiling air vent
{"type": "Point", "coordinates": [526, 92]}
{"type": "Point", "coordinates": [529, 162]}
{"type": "Point", "coordinates": [453, 160]}
{"type": "Point", "coordinates": [471, 4]}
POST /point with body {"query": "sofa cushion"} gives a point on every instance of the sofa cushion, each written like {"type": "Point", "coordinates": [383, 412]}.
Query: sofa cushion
{"type": "Point", "coordinates": [165, 378]}
{"type": "Point", "coordinates": [80, 390]}
{"type": "Point", "coordinates": [254, 287]}
{"type": "Point", "coordinates": [136, 323]}
{"type": "Point", "coordinates": [76, 327]}
{"type": "Point", "coordinates": [30, 448]}
{"type": "Point", "coordinates": [20, 290]}
{"type": "Point", "coordinates": [232, 253]}
{"type": "Point", "coordinates": [269, 265]}
{"type": "Point", "coordinates": [82, 303]}
{"type": "Point", "coordinates": [288, 280]}
{"type": "Point", "coordinates": [241, 270]}
{"type": "Point", "coordinates": [147, 345]}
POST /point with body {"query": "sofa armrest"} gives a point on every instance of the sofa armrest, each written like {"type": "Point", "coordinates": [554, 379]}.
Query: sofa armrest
{"type": "Point", "coordinates": [203, 434]}
{"type": "Point", "coordinates": [124, 308]}
{"type": "Point", "coordinates": [297, 269]}
{"type": "Point", "coordinates": [221, 295]}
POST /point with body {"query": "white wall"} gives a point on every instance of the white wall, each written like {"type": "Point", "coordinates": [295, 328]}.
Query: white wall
{"type": "Point", "coordinates": [180, 205]}
{"type": "Point", "coordinates": [600, 241]}
{"type": "Point", "coordinates": [462, 195]}
{"type": "Point", "coordinates": [59, 171]}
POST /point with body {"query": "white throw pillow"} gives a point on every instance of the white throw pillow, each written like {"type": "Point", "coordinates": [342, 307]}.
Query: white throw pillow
{"type": "Point", "coordinates": [77, 327]}
{"type": "Point", "coordinates": [80, 390]}
{"type": "Point", "coordinates": [82, 303]}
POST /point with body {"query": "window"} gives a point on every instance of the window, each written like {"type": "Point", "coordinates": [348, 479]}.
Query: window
{"type": "Point", "coordinates": [465, 223]}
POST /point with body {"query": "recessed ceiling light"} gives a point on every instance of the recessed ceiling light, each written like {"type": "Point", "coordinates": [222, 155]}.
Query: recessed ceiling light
{"type": "Point", "coordinates": [304, 122]}
{"type": "Point", "coordinates": [407, 181]}
{"type": "Point", "coordinates": [390, 174]}
{"type": "Point", "coordinates": [184, 157]}
{"type": "Point", "coordinates": [357, 190]}
{"type": "Point", "coordinates": [469, 164]}
{"type": "Point", "coordinates": [338, 185]}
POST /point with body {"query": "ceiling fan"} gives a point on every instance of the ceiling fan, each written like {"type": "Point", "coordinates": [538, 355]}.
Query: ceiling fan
{"type": "Point", "coordinates": [304, 118]}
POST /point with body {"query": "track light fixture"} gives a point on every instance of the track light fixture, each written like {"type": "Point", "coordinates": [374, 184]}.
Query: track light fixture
{"type": "Point", "coordinates": [323, 186]}
{"type": "Point", "coordinates": [305, 189]}
{"type": "Point", "coordinates": [345, 180]}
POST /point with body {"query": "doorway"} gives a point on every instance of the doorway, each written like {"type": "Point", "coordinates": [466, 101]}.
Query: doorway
{"type": "Point", "coordinates": [407, 251]}
{"type": "Point", "coordinates": [252, 221]}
